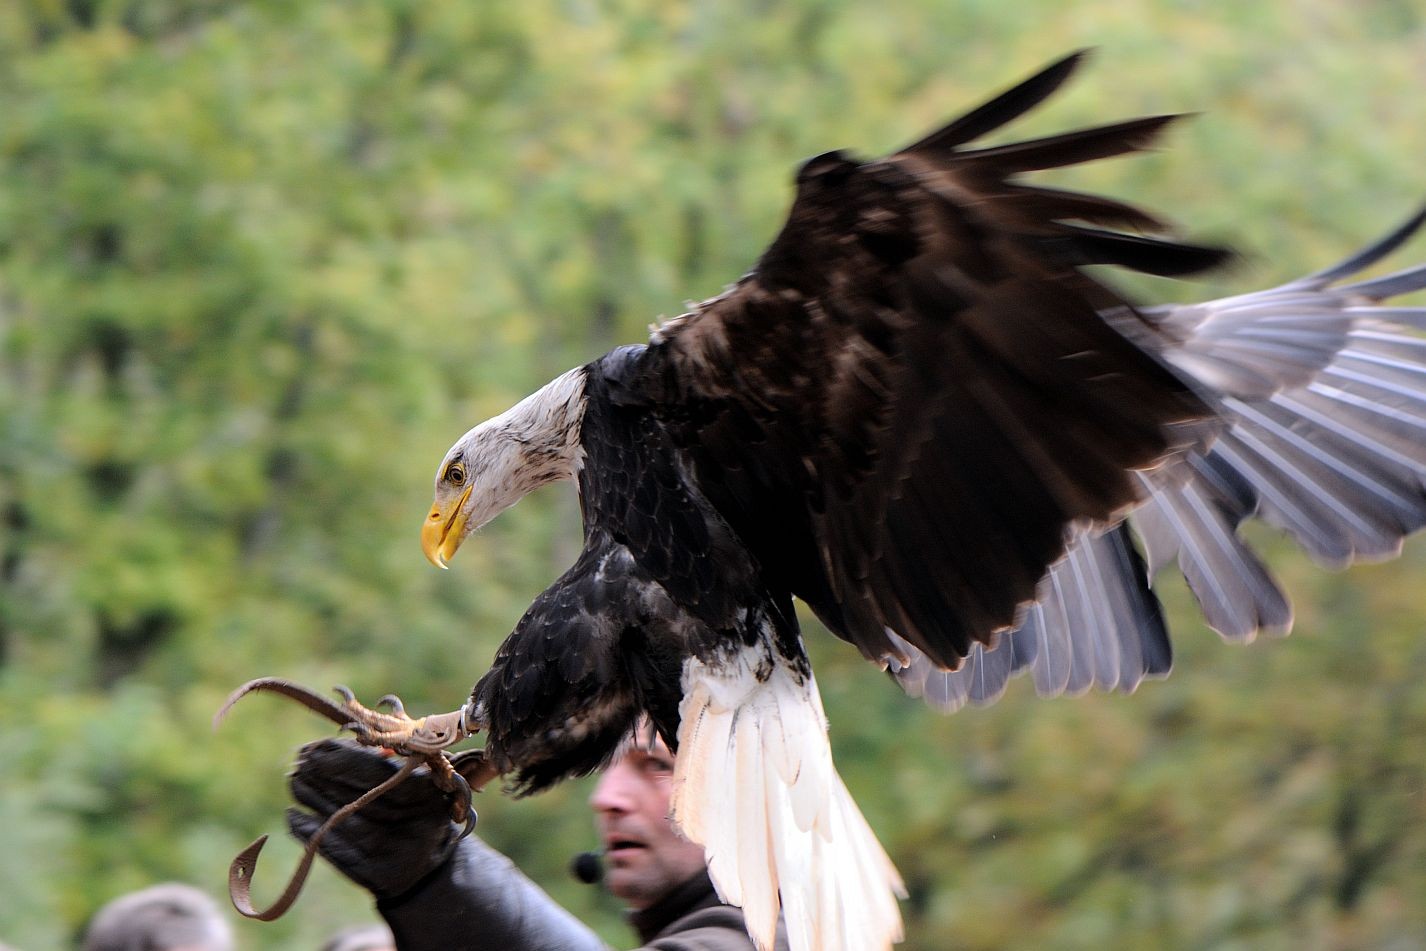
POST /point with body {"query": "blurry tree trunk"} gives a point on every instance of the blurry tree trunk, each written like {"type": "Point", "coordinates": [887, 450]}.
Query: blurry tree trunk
{"type": "Point", "coordinates": [281, 466]}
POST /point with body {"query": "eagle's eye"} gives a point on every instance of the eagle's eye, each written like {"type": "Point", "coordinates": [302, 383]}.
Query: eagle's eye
{"type": "Point", "coordinates": [455, 475]}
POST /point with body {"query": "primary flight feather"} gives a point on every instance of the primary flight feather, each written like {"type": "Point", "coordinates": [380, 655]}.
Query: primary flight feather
{"type": "Point", "coordinates": [918, 414]}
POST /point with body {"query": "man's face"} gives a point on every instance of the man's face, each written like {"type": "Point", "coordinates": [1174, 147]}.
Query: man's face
{"type": "Point", "coordinates": [644, 855]}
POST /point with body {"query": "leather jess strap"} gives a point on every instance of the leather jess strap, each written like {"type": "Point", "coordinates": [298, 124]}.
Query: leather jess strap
{"type": "Point", "coordinates": [240, 872]}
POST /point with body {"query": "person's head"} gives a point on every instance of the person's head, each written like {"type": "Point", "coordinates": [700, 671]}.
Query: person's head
{"type": "Point", "coordinates": [645, 857]}
{"type": "Point", "coordinates": [362, 938]}
{"type": "Point", "coordinates": [169, 917]}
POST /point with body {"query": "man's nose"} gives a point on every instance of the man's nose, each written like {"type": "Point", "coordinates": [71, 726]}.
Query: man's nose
{"type": "Point", "coordinates": [614, 791]}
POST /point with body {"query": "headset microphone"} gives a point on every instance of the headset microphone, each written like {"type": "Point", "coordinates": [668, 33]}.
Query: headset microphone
{"type": "Point", "coordinates": [588, 867]}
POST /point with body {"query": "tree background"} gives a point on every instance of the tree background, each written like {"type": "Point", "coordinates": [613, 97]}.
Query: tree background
{"type": "Point", "coordinates": [262, 262]}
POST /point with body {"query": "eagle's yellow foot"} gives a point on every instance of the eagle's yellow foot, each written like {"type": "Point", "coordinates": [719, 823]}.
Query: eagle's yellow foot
{"type": "Point", "coordinates": [426, 738]}
{"type": "Point", "coordinates": [422, 739]}
{"type": "Point", "coordinates": [396, 731]}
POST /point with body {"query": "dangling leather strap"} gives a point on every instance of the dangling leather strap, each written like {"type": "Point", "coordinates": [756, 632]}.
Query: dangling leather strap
{"type": "Point", "coordinates": [240, 873]}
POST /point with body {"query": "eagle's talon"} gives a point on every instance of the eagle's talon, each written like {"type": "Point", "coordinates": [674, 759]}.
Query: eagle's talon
{"type": "Point", "coordinates": [474, 768]}
{"type": "Point", "coordinates": [462, 797]}
{"type": "Point", "coordinates": [393, 703]}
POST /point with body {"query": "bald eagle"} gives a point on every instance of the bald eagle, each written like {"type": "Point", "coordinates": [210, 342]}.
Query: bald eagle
{"type": "Point", "coordinates": [919, 415]}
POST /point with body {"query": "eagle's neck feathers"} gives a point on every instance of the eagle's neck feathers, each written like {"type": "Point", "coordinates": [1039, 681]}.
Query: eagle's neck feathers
{"type": "Point", "coordinates": [534, 443]}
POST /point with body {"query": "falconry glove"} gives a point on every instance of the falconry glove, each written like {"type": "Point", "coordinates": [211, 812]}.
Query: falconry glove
{"type": "Point", "coordinates": [389, 845]}
{"type": "Point", "coordinates": [435, 889]}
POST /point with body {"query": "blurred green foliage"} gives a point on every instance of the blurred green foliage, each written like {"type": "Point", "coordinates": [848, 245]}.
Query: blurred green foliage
{"type": "Point", "coordinates": [261, 262]}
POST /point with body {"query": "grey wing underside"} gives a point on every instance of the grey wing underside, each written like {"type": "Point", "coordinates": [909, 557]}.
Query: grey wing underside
{"type": "Point", "coordinates": [1322, 390]}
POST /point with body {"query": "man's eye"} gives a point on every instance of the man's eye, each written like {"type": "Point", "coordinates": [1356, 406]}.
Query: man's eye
{"type": "Point", "coordinates": [654, 765]}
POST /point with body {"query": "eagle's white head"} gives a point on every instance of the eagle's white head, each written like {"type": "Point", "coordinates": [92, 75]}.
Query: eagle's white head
{"type": "Point", "coordinates": [497, 463]}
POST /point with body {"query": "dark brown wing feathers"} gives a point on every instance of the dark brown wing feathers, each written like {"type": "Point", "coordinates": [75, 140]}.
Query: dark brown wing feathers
{"type": "Point", "coordinates": [1028, 208]}
{"type": "Point", "coordinates": [1004, 108]}
{"type": "Point", "coordinates": [914, 395]}
{"type": "Point", "coordinates": [1058, 151]}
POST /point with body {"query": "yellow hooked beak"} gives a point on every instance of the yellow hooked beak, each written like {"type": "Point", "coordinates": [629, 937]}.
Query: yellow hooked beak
{"type": "Point", "coordinates": [441, 535]}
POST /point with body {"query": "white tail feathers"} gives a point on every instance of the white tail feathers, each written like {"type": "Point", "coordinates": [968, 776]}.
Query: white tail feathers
{"type": "Point", "coordinates": [755, 785]}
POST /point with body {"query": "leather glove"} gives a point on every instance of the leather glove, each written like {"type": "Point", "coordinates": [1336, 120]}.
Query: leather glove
{"type": "Point", "coordinates": [437, 891]}
{"type": "Point", "coordinates": [388, 846]}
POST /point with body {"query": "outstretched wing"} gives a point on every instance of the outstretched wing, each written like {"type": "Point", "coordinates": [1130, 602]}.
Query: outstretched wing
{"type": "Point", "coordinates": [1322, 388]}
{"type": "Point", "coordinates": [915, 397]}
